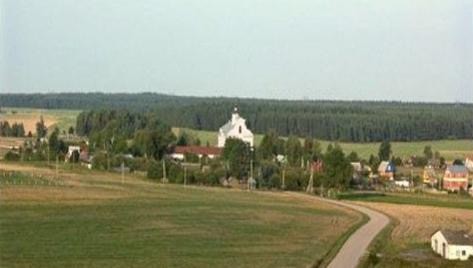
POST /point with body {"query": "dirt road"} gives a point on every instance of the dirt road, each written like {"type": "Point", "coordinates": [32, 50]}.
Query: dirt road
{"type": "Point", "coordinates": [355, 247]}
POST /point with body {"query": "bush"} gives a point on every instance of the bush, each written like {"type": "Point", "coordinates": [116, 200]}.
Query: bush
{"type": "Point", "coordinates": [38, 156]}
{"type": "Point", "coordinates": [214, 175]}
{"type": "Point", "coordinates": [373, 259]}
{"type": "Point", "coordinates": [266, 178]}
{"type": "Point", "coordinates": [275, 181]}
{"type": "Point", "coordinates": [175, 173]}
{"type": "Point", "coordinates": [139, 163]}
{"type": "Point", "coordinates": [155, 170]}
{"type": "Point", "coordinates": [296, 179]}
{"type": "Point", "coordinates": [12, 156]}
{"type": "Point", "coordinates": [191, 158]}
{"type": "Point", "coordinates": [99, 161]}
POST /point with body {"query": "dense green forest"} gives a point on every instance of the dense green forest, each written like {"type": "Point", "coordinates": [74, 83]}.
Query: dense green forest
{"type": "Point", "coordinates": [356, 121]}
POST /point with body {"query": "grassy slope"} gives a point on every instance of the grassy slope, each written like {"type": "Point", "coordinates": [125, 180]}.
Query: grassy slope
{"type": "Point", "coordinates": [95, 221]}
{"type": "Point", "coordinates": [452, 200]}
{"type": "Point", "coordinates": [450, 149]}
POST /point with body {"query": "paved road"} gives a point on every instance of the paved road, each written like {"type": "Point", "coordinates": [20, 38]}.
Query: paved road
{"type": "Point", "coordinates": [355, 247]}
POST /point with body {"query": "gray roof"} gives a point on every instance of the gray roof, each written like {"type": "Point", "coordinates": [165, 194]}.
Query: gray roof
{"type": "Point", "coordinates": [457, 169]}
{"type": "Point", "coordinates": [457, 237]}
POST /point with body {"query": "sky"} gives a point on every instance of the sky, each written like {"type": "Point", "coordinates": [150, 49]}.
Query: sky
{"type": "Point", "coordinates": [407, 50]}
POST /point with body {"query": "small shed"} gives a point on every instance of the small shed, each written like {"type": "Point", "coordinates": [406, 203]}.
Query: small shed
{"type": "Point", "coordinates": [452, 245]}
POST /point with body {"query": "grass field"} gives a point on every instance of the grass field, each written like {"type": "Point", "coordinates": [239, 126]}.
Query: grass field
{"type": "Point", "coordinates": [62, 119]}
{"type": "Point", "coordinates": [450, 149]}
{"type": "Point", "coordinates": [423, 199]}
{"type": "Point", "coordinates": [92, 219]}
{"type": "Point", "coordinates": [406, 243]}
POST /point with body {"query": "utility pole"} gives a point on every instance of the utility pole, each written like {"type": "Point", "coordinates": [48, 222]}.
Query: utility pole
{"type": "Point", "coordinates": [164, 173]}
{"type": "Point", "coordinates": [123, 172]}
{"type": "Point", "coordinates": [108, 158]}
{"type": "Point", "coordinates": [310, 186]}
{"type": "Point", "coordinates": [283, 186]}
{"type": "Point", "coordinates": [48, 154]}
{"type": "Point", "coordinates": [57, 163]}
{"type": "Point", "coordinates": [251, 168]}
{"type": "Point", "coordinates": [250, 179]}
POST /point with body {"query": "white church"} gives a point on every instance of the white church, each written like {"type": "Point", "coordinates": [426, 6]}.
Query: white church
{"type": "Point", "coordinates": [235, 128]}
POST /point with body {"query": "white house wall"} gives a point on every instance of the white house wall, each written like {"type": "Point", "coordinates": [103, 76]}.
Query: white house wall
{"type": "Point", "coordinates": [453, 252]}
{"type": "Point", "coordinates": [440, 240]}
{"type": "Point", "coordinates": [246, 135]}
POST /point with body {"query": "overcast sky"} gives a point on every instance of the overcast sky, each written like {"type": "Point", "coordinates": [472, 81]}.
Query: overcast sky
{"type": "Point", "coordinates": [408, 50]}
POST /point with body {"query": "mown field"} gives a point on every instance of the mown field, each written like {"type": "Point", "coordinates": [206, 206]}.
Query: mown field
{"type": "Point", "coordinates": [92, 219]}
{"type": "Point", "coordinates": [62, 119]}
{"type": "Point", "coordinates": [450, 149]}
{"type": "Point", "coordinates": [406, 243]}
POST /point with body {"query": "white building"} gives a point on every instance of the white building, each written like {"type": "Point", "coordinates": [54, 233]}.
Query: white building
{"type": "Point", "coordinates": [402, 183]}
{"type": "Point", "coordinates": [179, 152]}
{"type": "Point", "coordinates": [70, 151]}
{"type": "Point", "coordinates": [469, 163]}
{"type": "Point", "coordinates": [452, 245]}
{"type": "Point", "coordinates": [235, 128]}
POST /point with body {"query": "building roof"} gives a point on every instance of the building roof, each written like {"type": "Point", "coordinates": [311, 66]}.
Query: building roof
{"type": "Point", "coordinates": [457, 237]}
{"type": "Point", "coordinates": [357, 166]}
{"type": "Point", "coordinates": [197, 150]}
{"type": "Point", "coordinates": [386, 166]}
{"type": "Point", "coordinates": [457, 169]}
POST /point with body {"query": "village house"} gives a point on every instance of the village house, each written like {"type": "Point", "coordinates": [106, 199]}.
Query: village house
{"type": "Point", "coordinates": [180, 152]}
{"type": "Point", "coordinates": [70, 150]}
{"type": "Point", "coordinates": [386, 169]}
{"type": "Point", "coordinates": [455, 178]}
{"type": "Point", "coordinates": [402, 183]}
{"type": "Point", "coordinates": [469, 163]}
{"type": "Point", "coordinates": [452, 245]}
{"type": "Point", "coordinates": [235, 128]}
{"type": "Point", "coordinates": [359, 169]}
{"type": "Point", "coordinates": [86, 159]}
{"type": "Point", "coordinates": [429, 175]}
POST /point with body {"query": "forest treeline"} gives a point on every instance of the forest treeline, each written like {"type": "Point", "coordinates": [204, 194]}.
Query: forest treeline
{"type": "Point", "coordinates": [356, 121]}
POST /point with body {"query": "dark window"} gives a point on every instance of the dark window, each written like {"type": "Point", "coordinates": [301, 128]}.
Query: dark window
{"type": "Point", "coordinates": [463, 252]}
{"type": "Point", "coordinates": [239, 129]}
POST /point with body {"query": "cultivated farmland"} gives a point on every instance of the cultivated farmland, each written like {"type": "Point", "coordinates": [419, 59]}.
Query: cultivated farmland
{"type": "Point", "coordinates": [408, 245]}
{"type": "Point", "coordinates": [62, 119]}
{"type": "Point", "coordinates": [92, 219]}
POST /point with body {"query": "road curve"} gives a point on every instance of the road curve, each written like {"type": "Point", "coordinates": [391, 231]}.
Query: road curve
{"type": "Point", "coordinates": [357, 244]}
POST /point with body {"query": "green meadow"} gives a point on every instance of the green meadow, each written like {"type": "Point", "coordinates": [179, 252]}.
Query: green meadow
{"type": "Point", "coordinates": [92, 219]}
{"type": "Point", "coordinates": [420, 199]}
{"type": "Point", "coordinates": [450, 149]}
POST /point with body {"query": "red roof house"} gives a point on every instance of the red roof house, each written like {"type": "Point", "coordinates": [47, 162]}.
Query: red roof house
{"type": "Point", "coordinates": [179, 152]}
